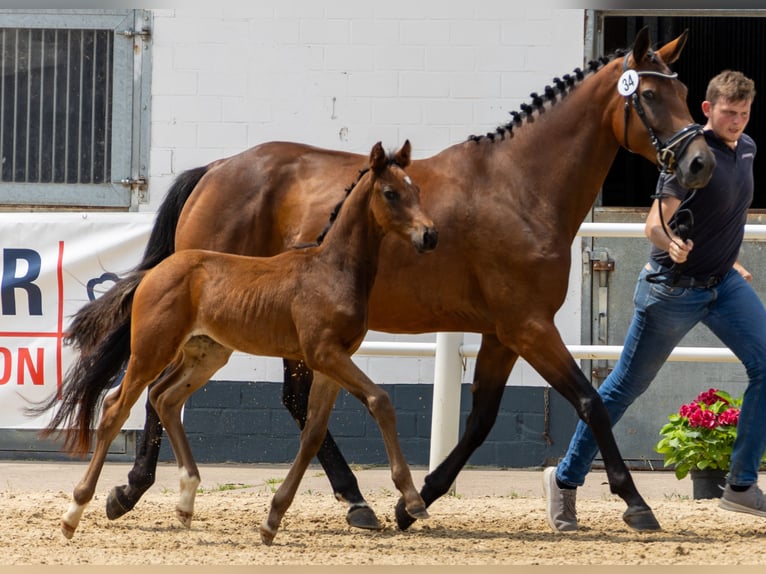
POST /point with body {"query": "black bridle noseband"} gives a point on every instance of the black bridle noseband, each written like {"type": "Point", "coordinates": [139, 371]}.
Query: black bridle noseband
{"type": "Point", "coordinates": [667, 152]}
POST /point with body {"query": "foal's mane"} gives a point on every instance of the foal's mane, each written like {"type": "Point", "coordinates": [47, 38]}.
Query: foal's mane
{"type": "Point", "coordinates": [561, 87]}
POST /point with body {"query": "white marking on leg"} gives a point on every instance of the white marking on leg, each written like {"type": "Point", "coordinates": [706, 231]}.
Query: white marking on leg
{"type": "Point", "coordinates": [189, 486]}
{"type": "Point", "coordinates": [71, 518]}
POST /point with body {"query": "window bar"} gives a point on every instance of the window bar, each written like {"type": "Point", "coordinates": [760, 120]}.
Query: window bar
{"type": "Point", "coordinates": [15, 102]}
{"type": "Point", "coordinates": [108, 111]}
{"type": "Point", "coordinates": [66, 107]}
{"type": "Point", "coordinates": [41, 121]}
{"type": "Point", "coordinates": [79, 109]}
{"type": "Point", "coordinates": [2, 99]}
{"type": "Point", "coordinates": [55, 103]}
{"type": "Point", "coordinates": [29, 108]}
{"type": "Point", "coordinates": [93, 76]}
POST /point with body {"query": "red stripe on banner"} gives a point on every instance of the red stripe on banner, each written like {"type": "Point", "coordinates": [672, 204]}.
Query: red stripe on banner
{"type": "Point", "coordinates": [60, 323]}
{"type": "Point", "coordinates": [31, 334]}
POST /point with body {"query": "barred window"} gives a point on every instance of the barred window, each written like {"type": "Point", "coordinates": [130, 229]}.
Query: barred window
{"type": "Point", "coordinates": [70, 129]}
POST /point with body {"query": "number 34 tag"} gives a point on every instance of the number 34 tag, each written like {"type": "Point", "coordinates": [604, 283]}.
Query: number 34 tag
{"type": "Point", "coordinates": [628, 83]}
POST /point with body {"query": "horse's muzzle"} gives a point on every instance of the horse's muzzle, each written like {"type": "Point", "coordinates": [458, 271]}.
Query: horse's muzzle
{"type": "Point", "coordinates": [427, 240]}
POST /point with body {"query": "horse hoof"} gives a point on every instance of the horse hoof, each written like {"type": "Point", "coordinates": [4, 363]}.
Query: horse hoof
{"type": "Point", "coordinates": [267, 534]}
{"type": "Point", "coordinates": [184, 517]}
{"type": "Point", "coordinates": [67, 530]}
{"type": "Point", "coordinates": [363, 517]}
{"type": "Point", "coordinates": [642, 519]}
{"type": "Point", "coordinates": [116, 507]}
{"type": "Point", "coordinates": [403, 518]}
{"type": "Point", "coordinates": [418, 512]}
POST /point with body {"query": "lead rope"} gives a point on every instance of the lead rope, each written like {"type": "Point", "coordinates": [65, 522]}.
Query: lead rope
{"type": "Point", "coordinates": [683, 230]}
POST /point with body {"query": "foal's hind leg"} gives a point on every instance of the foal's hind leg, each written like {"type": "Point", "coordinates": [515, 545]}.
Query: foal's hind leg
{"type": "Point", "coordinates": [295, 397]}
{"type": "Point", "coordinates": [115, 412]}
{"type": "Point", "coordinates": [202, 357]}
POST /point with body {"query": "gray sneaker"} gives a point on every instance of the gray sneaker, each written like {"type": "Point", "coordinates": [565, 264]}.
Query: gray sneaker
{"type": "Point", "coordinates": [559, 503]}
{"type": "Point", "coordinates": [750, 501]}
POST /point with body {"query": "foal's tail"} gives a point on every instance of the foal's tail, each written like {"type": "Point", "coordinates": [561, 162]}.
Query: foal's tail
{"type": "Point", "coordinates": [95, 319]}
{"type": "Point", "coordinates": [100, 330]}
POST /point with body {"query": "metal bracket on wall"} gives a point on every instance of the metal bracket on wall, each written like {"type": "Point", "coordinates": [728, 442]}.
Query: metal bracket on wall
{"type": "Point", "coordinates": [602, 265]}
{"type": "Point", "coordinates": [137, 189]}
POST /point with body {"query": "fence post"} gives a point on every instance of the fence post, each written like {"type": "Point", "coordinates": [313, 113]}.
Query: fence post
{"type": "Point", "coordinates": [445, 419]}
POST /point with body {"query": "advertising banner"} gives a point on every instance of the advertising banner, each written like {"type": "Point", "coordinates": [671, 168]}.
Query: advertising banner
{"type": "Point", "coordinates": [52, 264]}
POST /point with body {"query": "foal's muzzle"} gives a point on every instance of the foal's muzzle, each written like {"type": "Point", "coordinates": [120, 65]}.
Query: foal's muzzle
{"type": "Point", "coordinates": [427, 239]}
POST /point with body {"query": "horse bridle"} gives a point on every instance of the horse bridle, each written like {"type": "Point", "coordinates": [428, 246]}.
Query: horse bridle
{"type": "Point", "coordinates": [667, 152]}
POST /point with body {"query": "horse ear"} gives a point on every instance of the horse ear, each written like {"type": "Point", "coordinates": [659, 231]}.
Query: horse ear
{"type": "Point", "coordinates": [378, 159]}
{"type": "Point", "coordinates": [672, 50]}
{"type": "Point", "coordinates": [404, 155]}
{"type": "Point", "coordinates": [641, 45]}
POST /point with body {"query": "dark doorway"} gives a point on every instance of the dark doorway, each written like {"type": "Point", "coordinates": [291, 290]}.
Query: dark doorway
{"type": "Point", "coordinates": [715, 44]}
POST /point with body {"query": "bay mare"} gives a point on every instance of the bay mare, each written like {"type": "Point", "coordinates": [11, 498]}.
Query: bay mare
{"type": "Point", "coordinates": [190, 312]}
{"type": "Point", "coordinates": [508, 205]}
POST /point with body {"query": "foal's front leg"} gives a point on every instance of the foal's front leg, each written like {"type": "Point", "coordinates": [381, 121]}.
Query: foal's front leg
{"type": "Point", "coordinates": [379, 404]}
{"type": "Point", "coordinates": [321, 400]}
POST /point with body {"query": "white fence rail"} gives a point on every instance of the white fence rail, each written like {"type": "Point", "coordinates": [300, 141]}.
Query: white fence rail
{"type": "Point", "coordinates": [449, 352]}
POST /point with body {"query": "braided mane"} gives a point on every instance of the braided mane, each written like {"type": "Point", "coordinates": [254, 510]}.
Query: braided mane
{"type": "Point", "coordinates": [561, 87]}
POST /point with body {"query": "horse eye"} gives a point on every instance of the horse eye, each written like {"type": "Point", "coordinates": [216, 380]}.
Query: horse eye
{"type": "Point", "coordinates": [390, 194]}
{"type": "Point", "coordinates": [648, 95]}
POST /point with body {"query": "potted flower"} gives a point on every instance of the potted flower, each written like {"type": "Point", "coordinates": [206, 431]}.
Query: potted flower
{"type": "Point", "coordinates": [698, 439]}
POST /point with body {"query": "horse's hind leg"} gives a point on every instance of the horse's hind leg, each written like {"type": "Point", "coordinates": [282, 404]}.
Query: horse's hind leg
{"type": "Point", "coordinates": [295, 397]}
{"type": "Point", "coordinates": [202, 357]}
{"type": "Point", "coordinates": [546, 352]}
{"type": "Point", "coordinates": [321, 400]}
{"type": "Point", "coordinates": [123, 498]}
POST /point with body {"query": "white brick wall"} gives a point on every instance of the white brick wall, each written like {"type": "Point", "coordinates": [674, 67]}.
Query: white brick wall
{"type": "Point", "coordinates": [344, 74]}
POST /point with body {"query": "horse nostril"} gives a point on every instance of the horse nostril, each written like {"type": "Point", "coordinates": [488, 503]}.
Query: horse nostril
{"type": "Point", "coordinates": [697, 165]}
{"type": "Point", "coordinates": [430, 238]}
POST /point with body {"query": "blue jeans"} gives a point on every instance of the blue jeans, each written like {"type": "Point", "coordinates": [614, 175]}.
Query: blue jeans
{"type": "Point", "coordinates": [662, 316]}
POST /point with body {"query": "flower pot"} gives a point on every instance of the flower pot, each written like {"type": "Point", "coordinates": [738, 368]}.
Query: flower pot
{"type": "Point", "coordinates": [708, 483]}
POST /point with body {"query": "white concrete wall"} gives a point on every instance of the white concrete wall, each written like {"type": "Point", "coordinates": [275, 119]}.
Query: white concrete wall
{"type": "Point", "coordinates": [344, 74]}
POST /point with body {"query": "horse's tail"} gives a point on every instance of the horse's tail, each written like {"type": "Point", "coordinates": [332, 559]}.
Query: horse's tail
{"type": "Point", "coordinates": [83, 388]}
{"type": "Point", "coordinates": [96, 318]}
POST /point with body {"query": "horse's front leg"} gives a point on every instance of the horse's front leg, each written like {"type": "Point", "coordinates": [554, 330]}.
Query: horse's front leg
{"type": "Point", "coordinates": [295, 397]}
{"type": "Point", "coordinates": [321, 400]}
{"type": "Point", "coordinates": [547, 353]}
{"type": "Point", "coordinates": [123, 498]}
{"type": "Point", "coordinates": [493, 365]}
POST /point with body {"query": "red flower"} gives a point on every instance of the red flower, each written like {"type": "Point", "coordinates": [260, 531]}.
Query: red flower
{"type": "Point", "coordinates": [729, 417]}
{"type": "Point", "coordinates": [710, 397]}
{"type": "Point", "coordinates": [700, 418]}
{"type": "Point", "coordinates": [687, 410]}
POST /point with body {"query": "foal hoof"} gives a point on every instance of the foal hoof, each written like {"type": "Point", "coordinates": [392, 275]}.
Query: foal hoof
{"type": "Point", "coordinates": [641, 519]}
{"type": "Point", "coordinates": [67, 530]}
{"type": "Point", "coordinates": [363, 517]}
{"type": "Point", "coordinates": [406, 517]}
{"type": "Point", "coordinates": [116, 505]}
{"type": "Point", "coordinates": [184, 517]}
{"type": "Point", "coordinates": [267, 534]}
